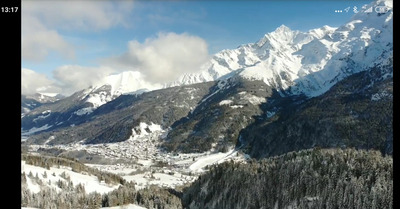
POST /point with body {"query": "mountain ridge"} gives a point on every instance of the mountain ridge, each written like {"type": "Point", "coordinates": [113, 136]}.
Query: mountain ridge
{"type": "Point", "coordinates": [251, 83]}
{"type": "Point", "coordinates": [282, 58]}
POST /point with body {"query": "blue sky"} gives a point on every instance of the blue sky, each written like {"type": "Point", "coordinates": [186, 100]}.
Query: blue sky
{"type": "Point", "coordinates": [88, 33]}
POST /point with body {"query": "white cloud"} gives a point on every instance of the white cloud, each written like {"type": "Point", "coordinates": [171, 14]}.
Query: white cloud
{"type": "Point", "coordinates": [159, 60]}
{"type": "Point", "coordinates": [42, 22]}
{"type": "Point", "coordinates": [164, 58]}
{"type": "Point", "coordinates": [72, 78]}
{"type": "Point", "coordinates": [38, 41]}
{"type": "Point", "coordinates": [68, 79]}
{"type": "Point", "coordinates": [84, 15]}
{"type": "Point", "coordinates": [33, 82]}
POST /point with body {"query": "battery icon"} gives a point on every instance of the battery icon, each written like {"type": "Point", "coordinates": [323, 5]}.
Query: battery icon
{"type": "Point", "coordinates": [381, 9]}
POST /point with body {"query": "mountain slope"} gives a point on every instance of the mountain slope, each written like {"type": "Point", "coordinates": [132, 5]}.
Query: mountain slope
{"type": "Point", "coordinates": [27, 104]}
{"type": "Point", "coordinates": [77, 108]}
{"type": "Point", "coordinates": [355, 112]}
{"type": "Point", "coordinates": [116, 120]}
{"type": "Point", "coordinates": [219, 117]}
{"type": "Point", "coordinates": [288, 63]}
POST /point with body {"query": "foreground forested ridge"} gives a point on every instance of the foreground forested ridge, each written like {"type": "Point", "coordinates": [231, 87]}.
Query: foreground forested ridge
{"type": "Point", "coordinates": [75, 197]}
{"type": "Point", "coordinates": [67, 195]}
{"type": "Point", "coordinates": [318, 178]}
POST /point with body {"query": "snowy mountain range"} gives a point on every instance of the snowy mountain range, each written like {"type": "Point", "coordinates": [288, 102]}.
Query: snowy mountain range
{"type": "Point", "coordinates": [306, 62]}
{"type": "Point", "coordinates": [235, 89]}
{"type": "Point", "coordinates": [293, 62]}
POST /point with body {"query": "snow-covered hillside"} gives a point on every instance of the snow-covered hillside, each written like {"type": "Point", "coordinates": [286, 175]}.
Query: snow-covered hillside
{"type": "Point", "coordinates": [50, 177]}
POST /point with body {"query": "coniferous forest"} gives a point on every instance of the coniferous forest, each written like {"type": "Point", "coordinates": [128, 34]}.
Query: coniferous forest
{"type": "Point", "coordinates": [317, 178]}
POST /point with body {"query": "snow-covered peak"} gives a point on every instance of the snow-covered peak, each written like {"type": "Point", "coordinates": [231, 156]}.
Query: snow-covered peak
{"type": "Point", "coordinates": [126, 82]}
{"type": "Point", "coordinates": [112, 86]}
{"type": "Point", "coordinates": [45, 97]}
{"type": "Point", "coordinates": [49, 94]}
{"type": "Point", "coordinates": [283, 29]}
{"type": "Point", "coordinates": [282, 36]}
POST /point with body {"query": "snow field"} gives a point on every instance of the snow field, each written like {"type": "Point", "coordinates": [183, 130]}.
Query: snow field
{"type": "Point", "coordinates": [34, 130]}
{"type": "Point", "coordinates": [160, 179]}
{"type": "Point", "coordinates": [129, 206]}
{"type": "Point", "coordinates": [225, 102]}
{"type": "Point", "coordinates": [90, 182]}
{"type": "Point", "coordinates": [210, 160]}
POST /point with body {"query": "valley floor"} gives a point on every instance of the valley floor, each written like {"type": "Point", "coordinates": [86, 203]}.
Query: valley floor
{"type": "Point", "coordinates": [140, 161]}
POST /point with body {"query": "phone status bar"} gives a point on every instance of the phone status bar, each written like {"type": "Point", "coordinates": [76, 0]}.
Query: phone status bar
{"type": "Point", "coordinates": [364, 9]}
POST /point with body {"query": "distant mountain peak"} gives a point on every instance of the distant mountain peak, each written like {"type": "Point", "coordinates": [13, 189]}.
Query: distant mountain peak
{"type": "Point", "coordinates": [282, 29]}
{"type": "Point", "coordinates": [126, 82]}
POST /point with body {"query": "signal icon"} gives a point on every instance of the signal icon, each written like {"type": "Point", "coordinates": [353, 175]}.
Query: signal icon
{"type": "Point", "coordinates": [369, 10]}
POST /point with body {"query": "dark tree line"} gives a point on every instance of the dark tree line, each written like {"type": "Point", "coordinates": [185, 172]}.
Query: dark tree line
{"type": "Point", "coordinates": [318, 178]}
